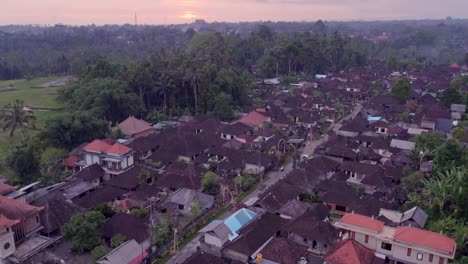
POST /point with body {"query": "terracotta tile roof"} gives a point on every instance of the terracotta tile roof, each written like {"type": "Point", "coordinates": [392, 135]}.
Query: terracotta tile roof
{"type": "Point", "coordinates": [71, 161]}
{"type": "Point", "coordinates": [118, 149]}
{"type": "Point", "coordinates": [5, 222]}
{"type": "Point", "coordinates": [101, 146]}
{"type": "Point", "coordinates": [5, 188]}
{"type": "Point", "coordinates": [16, 210]}
{"type": "Point", "coordinates": [350, 252]}
{"type": "Point", "coordinates": [363, 222]}
{"type": "Point", "coordinates": [425, 238]}
{"type": "Point", "coordinates": [254, 119]}
{"type": "Point", "coordinates": [97, 146]}
{"type": "Point", "coordinates": [132, 125]}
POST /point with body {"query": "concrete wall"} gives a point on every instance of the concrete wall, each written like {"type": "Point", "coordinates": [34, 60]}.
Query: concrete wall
{"type": "Point", "coordinates": [31, 223]}
{"type": "Point", "coordinates": [7, 238]}
{"type": "Point", "coordinates": [320, 248]}
{"type": "Point", "coordinates": [214, 241]}
{"type": "Point", "coordinates": [346, 133]}
{"type": "Point", "coordinates": [252, 168]}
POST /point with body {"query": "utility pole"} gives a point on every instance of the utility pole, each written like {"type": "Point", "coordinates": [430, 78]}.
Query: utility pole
{"type": "Point", "coordinates": [175, 240]}
{"type": "Point", "coordinates": [136, 19]}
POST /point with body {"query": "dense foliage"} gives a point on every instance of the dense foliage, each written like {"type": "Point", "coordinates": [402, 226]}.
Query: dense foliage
{"type": "Point", "coordinates": [83, 231]}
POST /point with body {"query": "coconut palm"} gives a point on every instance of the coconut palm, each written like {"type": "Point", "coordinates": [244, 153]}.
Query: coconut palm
{"type": "Point", "coordinates": [16, 116]}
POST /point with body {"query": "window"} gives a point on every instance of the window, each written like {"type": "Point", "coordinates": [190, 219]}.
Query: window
{"type": "Point", "coordinates": [431, 257]}
{"type": "Point", "coordinates": [352, 235]}
{"type": "Point", "coordinates": [441, 260]}
{"type": "Point", "coordinates": [386, 246]}
{"type": "Point", "coordinates": [340, 208]}
{"type": "Point", "coordinates": [419, 256]}
{"type": "Point", "coordinates": [181, 207]}
{"type": "Point", "coordinates": [408, 253]}
{"type": "Point", "coordinates": [37, 219]}
{"type": "Point", "coordinates": [366, 239]}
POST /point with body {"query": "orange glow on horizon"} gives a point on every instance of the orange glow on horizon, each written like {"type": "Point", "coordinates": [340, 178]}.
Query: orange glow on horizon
{"type": "Point", "coordinates": [189, 15]}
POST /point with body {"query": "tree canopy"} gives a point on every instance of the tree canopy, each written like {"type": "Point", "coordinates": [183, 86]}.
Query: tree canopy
{"type": "Point", "coordinates": [83, 230]}
{"type": "Point", "coordinates": [401, 89]}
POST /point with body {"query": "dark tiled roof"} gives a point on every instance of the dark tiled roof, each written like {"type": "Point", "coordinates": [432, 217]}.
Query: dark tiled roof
{"type": "Point", "coordinates": [321, 164]}
{"type": "Point", "coordinates": [308, 226]}
{"type": "Point", "coordinates": [236, 129]}
{"type": "Point", "coordinates": [284, 251]}
{"type": "Point", "coordinates": [129, 179]}
{"type": "Point", "coordinates": [90, 173]}
{"type": "Point", "coordinates": [57, 211]}
{"type": "Point", "coordinates": [255, 234]}
{"type": "Point", "coordinates": [102, 195]}
{"type": "Point", "coordinates": [278, 195]}
{"type": "Point", "coordinates": [341, 152]}
{"type": "Point", "coordinates": [181, 175]}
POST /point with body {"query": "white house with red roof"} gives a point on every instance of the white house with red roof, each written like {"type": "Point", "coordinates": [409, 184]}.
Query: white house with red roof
{"type": "Point", "coordinates": [113, 156]}
{"type": "Point", "coordinates": [402, 244]}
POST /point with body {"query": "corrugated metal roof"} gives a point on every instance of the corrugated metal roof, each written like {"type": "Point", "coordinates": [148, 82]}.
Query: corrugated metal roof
{"type": "Point", "coordinates": [238, 220]}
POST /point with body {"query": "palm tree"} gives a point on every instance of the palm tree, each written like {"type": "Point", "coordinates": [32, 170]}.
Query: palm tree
{"type": "Point", "coordinates": [16, 116]}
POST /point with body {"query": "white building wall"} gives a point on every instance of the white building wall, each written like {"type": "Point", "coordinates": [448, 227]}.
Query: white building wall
{"type": "Point", "coordinates": [212, 240]}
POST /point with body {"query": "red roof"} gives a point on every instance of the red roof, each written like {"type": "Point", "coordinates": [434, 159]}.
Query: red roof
{"type": "Point", "coordinates": [97, 146]}
{"type": "Point", "coordinates": [350, 252]}
{"type": "Point", "coordinates": [363, 222]}
{"type": "Point", "coordinates": [5, 188]}
{"type": "Point", "coordinates": [17, 210]}
{"type": "Point", "coordinates": [118, 149]}
{"type": "Point", "coordinates": [395, 130]}
{"type": "Point", "coordinates": [5, 222]}
{"type": "Point", "coordinates": [254, 119]}
{"type": "Point", "coordinates": [454, 66]}
{"type": "Point", "coordinates": [425, 238]}
{"type": "Point", "coordinates": [103, 147]}
{"type": "Point", "coordinates": [71, 161]}
{"type": "Point", "coordinates": [139, 258]}
{"type": "Point", "coordinates": [132, 125]}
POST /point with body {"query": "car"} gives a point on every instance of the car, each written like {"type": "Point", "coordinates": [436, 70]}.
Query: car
{"type": "Point", "coordinates": [282, 168]}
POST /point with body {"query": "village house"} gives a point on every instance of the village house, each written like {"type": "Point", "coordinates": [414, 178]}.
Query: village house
{"type": "Point", "coordinates": [254, 119]}
{"type": "Point", "coordinates": [185, 199]}
{"type": "Point", "coordinates": [399, 245]}
{"type": "Point", "coordinates": [282, 251]}
{"type": "Point", "coordinates": [133, 127]}
{"type": "Point", "coordinates": [254, 236]}
{"type": "Point", "coordinates": [112, 156]}
{"type": "Point", "coordinates": [317, 235]}
{"type": "Point", "coordinates": [129, 252]}
{"type": "Point", "coordinates": [219, 232]}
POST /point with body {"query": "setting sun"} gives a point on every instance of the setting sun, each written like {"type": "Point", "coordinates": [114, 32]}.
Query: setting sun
{"type": "Point", "coordinates": [189, 15]}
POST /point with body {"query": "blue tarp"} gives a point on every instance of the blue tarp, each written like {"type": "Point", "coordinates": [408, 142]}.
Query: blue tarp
{"type": "Point", "coordinates": [238, 220]}
{"type": "Point", "coordinates": [374, 118]}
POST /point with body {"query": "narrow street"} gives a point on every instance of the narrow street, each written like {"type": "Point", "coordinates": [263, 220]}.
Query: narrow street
{"type": "Point", "coordinates": [272, 178]}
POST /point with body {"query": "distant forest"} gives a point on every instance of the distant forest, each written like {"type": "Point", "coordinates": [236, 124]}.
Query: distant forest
{"type": "Point", "coordinates": [263, 48]}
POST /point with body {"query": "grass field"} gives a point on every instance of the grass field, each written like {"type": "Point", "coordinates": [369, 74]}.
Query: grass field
{"type": "Point", "coordinates": [32, 97]}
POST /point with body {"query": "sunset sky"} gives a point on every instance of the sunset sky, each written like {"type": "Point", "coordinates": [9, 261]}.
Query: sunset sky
{"type": "Point", "coordinates": [78, 12]}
